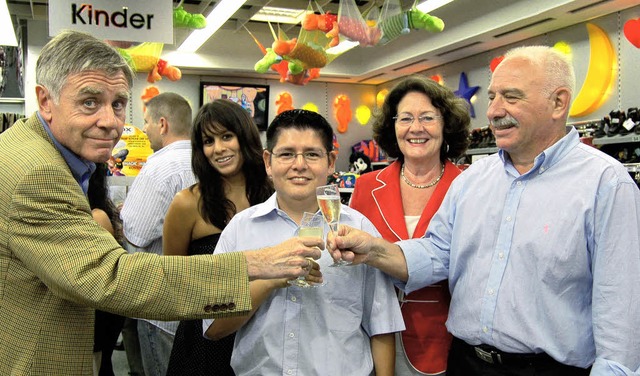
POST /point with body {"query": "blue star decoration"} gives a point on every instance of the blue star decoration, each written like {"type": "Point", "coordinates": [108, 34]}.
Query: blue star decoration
{"type": "Point", "coordinates": [465, 92]}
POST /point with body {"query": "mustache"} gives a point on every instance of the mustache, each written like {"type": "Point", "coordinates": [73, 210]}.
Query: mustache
{"type": "Point", "coordinates": [503, 122]}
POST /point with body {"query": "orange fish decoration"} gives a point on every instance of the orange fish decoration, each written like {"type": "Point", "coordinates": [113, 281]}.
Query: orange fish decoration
{"type": "Point", "coordinates": [342, 112]}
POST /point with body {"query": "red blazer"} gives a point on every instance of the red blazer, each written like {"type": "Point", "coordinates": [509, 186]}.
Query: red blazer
{"type": "Point", "coordinates": [377, 195]}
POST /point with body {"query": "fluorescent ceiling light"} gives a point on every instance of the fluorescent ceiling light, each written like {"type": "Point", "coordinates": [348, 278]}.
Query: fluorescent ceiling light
{"type": "Point", "coordinates": [431, 5]}
{"type": "Point", "coordinates": [7, 33]}
{"type": "Point", "coordinates": [279, 15]}
{"type": "Point", "coordinates": [343, 47]}
{"type": "Point", "coordinates": [218, 16]}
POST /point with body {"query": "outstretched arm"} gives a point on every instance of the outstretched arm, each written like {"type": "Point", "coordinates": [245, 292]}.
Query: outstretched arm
{"type": "Point", "coordinates": [362, 248]}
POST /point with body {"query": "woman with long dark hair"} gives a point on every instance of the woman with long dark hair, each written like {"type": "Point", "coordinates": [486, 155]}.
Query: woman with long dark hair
{"type": "Point", "coordinates": [227, 161]}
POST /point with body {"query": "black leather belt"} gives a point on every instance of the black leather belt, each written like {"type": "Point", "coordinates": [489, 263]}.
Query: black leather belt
{"type": "Point", "coordinates": [492, 355]}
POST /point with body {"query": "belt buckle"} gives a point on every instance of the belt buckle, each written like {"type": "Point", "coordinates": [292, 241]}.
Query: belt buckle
{"type": "Point", "coordinates": [489, 357]}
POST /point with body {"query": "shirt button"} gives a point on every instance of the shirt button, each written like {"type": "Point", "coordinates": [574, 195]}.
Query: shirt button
{"type": "Point", "coordinates": [232, 306]}
{"type": "Point", "coordinates": [291, 335]}
{"type": "Point", "coordinates": [289, 372]}
{"type": "Point", "coordinates": [501, 255]}
{"type": "Point", "coordinates": [207, 308]}
{"type": "Point", "coordinates": [508, 218]}
{"type": "Point", "coordinates": [490, 291]}
{"type": "Point", "coordinates": [485, 329]}
{"type": "Point", "coordinates": [519, 183]}
{"type": "Point", "coordinates": [293, 299]}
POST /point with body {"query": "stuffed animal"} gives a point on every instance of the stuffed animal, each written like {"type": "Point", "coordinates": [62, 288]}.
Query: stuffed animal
{"type": "Point", "coordinates": [182, 18]}
{"type": "Point", "coordinates": [399, 24]}
{"type": "Point", "coordinates": [359, 163]}
{"type": "Point", "coordinates": [327, 23]}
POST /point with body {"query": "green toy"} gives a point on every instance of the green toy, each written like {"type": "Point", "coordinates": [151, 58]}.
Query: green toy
{"type": "Point", "coordinates": [182, 18]}
{"type": "Point", "coordinates": [402, 23]}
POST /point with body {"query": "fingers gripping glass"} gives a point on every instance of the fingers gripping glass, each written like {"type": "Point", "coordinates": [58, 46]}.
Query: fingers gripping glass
{"type": "Point", "coordinates": [406, 120]}
{"type": "Point", "coordinates": [310, 225]}
{"type": "Point", "coordinates": [310, 156]}
{"type": "Point", "coordinates": [329, 202]}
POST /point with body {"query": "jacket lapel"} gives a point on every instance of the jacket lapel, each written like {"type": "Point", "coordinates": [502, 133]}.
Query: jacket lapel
{"type": "Point", "coordinates": [387, 197]}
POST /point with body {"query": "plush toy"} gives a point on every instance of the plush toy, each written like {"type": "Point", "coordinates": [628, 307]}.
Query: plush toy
{"type": "Point", "coordinates": [359, 163]}
{"type": "Point", "coordinates": [182, 18]}
{"type": "Point", "coordinates": [394, 26]}
{"type": "Point", "coordinates": [327, 23]}
{"type": "Point", "coordinates": [145, 57]}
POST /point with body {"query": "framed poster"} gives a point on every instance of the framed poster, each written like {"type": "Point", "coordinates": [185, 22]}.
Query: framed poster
{"type": "Point", "coordinates": [253, 98]}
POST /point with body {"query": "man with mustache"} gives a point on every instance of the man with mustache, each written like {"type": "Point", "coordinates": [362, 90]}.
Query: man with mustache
{"type": "Point", "coordinates": [540, 242]}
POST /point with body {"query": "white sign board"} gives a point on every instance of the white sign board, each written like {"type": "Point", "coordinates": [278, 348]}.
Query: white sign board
{"type": "Point", "coordinates": [125, 20]}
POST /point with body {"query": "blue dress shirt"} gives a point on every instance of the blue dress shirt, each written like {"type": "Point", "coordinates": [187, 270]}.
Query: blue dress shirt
{"type": "Point", "coordinates": [548, 261]}
{"type": "Point", "coordinates": [318, 331]}
{"type": "Point", "coordinates": [81, 169]}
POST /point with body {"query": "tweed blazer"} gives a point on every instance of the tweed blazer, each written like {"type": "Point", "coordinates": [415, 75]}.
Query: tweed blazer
{"type": "Point", "coordinates": [57, 266]}
{"type": "Point", "coordinates": [377, 195]}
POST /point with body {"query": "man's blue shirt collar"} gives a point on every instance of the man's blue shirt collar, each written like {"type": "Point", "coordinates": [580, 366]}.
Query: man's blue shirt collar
{"type": "Point", "coordinates": [80, 168]}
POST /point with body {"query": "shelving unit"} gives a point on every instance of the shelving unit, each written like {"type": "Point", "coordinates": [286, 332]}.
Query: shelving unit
{"type": "Point", "coordinates": [617, 139]}
{"type": "Point", "coordinates": [477, 151]}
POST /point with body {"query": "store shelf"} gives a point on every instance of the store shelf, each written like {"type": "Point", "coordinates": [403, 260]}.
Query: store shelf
{"type": "Point", "coordinates": [477, 151]}
{"type": "Point", "coordinates": [617, 139]}
{"type": "Point", "coordinates": [632, 167]}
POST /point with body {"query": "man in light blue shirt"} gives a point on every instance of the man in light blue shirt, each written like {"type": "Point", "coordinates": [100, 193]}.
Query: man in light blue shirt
{"type": "Point", "coordinates": [307, 331]}
{"type": "Point", "coordinates": [167, 124]}
{"type": "Point", "coordinates": [540, 242]}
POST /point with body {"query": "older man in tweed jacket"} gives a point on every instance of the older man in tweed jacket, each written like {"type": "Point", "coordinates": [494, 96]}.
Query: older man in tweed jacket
{"type": "Point", "coordinates": [56, 264]}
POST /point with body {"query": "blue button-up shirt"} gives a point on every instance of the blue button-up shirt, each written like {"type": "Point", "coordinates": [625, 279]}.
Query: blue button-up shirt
{"type": "Point", "coordinates": [318, 331]}
{"type": "Point", "coordinates": [81, 169]}
{"type": "Point", "coordinates": [547, 261]}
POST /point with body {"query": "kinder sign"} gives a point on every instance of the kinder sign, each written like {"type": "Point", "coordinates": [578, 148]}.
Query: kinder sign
{"type": "Point", "coordinates": [127, 20]}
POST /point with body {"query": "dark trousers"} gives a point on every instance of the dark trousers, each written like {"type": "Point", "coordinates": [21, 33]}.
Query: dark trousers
{"type": "Point", "coordinates": [463, 361]}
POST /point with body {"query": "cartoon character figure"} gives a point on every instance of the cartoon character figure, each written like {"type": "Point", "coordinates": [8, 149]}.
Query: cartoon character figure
{"type": "Point", "coordinates": [359, 163]}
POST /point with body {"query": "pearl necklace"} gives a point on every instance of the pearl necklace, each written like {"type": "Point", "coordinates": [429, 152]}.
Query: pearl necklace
{"type": "Point", "coordinates": [410, 184]}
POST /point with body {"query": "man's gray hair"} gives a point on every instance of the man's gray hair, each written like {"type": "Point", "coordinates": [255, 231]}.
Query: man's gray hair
{"type": "Point", "coordinates": [556, 65]}
{"type": "Point", "coordinates": [72, 52]}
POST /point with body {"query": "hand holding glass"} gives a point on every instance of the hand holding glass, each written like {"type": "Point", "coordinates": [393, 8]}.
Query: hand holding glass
{"type": "Point", "coordinates": [310, 225]}
{"type": "Point", "coordinates": [329, 202]}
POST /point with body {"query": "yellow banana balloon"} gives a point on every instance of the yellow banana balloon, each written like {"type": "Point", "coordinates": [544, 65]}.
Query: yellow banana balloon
{"type": "Point", "coordinates": [599, 74]}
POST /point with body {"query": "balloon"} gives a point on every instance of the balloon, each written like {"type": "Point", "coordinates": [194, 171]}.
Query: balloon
{"type": "Point", "coordinates": [599, 74]}
{"type": "Point", "coordinates": [342, 112]}
{"type": "Point", "coordinates": [363, 114]}
{"type": "Point", "coordinates": [495, 61]}
{"type": "Point", "coordinates": [284, 102]}
{"type": "Point", "coordinates": [563, 47]}
{"type": "Point", "coordinates": [632, 31]}
{"type": "Point", "coordinates": [382, 94]}
{"type": "Point", "coordinates": [310, 106]}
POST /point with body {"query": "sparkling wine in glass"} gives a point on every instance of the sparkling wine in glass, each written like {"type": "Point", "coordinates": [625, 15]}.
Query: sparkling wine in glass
{"type": "Point", "coordinates": [329, 202]}
{"type": "Point", "coordinates": [310, 225]}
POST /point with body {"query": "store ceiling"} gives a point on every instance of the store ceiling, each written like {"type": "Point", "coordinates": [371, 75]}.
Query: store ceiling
{"type": "Point", "coordinates": [472, 27]}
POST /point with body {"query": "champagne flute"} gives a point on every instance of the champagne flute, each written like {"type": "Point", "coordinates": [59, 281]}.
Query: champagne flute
{"type": "Point", "coordinates": [310, 225]}
{"type": "Point", "coordinates": [329, 202]}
